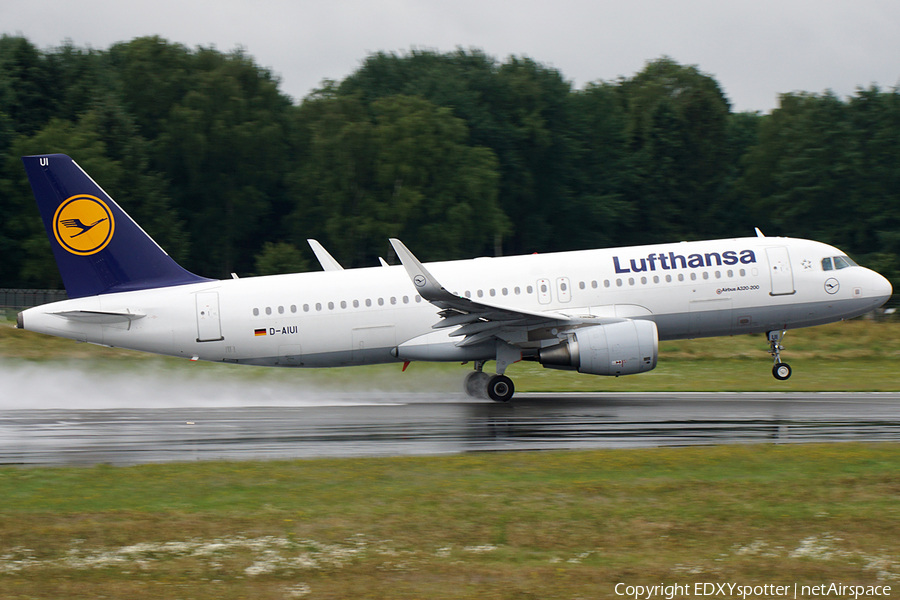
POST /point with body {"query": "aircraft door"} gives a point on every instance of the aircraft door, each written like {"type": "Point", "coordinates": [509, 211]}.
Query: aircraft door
{"type": "Point", "coordinates": [209, 327]}
{"type": "Point", "coordinates": [543, 291]}
{"type": "Point", "coordinates": [563, 289]}
{"type": "Point", "coordinates": [780, 271]}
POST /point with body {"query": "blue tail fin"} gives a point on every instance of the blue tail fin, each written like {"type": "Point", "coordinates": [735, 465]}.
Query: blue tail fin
{"type": "Point", "coordinates": [99, 249]}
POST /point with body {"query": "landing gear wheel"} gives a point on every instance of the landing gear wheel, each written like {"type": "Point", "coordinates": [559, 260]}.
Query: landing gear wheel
{"type": "Point", "coordinates": [475, 384]}
{"type": "Point", "coordinates": [500, 388]}
{"type": "Point", "coordinates": [781, 371]}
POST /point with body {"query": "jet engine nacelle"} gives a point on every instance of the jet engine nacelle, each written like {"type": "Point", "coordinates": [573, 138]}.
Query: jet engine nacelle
{"type": "Point", "coordinates": [623, 348]}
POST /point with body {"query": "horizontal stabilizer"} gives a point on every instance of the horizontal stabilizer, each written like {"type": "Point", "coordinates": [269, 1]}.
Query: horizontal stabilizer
{"type": "Point", "coordinates": [98, 317]}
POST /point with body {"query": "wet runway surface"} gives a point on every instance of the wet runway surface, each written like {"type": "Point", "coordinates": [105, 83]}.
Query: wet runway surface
{"type": "Point", "coordinates": [420, 424]}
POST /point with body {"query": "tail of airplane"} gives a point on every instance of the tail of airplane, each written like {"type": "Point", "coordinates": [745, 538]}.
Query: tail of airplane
{"type": "Point", "coordinates": [98, 248]}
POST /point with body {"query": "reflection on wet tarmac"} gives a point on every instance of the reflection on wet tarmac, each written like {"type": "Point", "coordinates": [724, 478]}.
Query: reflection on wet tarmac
{"type": "Point", "coordinates": [406, 424]}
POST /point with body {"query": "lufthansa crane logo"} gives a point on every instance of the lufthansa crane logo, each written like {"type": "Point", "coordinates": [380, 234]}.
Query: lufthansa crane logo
{"type": "Point", "coordinates": [83, 225]}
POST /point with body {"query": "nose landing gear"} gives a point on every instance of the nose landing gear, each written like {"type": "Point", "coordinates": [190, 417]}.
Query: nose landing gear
{"type": "Point", "coordinates": [781, 370]}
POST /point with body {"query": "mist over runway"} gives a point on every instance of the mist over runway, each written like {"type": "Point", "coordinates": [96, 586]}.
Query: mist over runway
{"type": "Point", "coordinates": [78, 418]}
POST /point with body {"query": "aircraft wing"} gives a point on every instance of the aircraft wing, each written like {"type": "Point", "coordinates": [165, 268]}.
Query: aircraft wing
{"type": "Point", "coordinates": [328, 262]}
{"type": "Point", "coordinates": [481, 321]}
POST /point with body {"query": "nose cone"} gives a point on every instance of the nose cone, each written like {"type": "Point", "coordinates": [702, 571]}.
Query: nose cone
{"type": "Point", "coordinates": [881, 288]}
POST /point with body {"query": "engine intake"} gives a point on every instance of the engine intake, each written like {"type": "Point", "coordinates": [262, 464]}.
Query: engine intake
{"type": "Point", "coordinates": [616, 349]}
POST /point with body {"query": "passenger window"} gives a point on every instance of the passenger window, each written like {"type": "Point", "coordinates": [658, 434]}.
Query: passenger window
{"type": "Point", "coordinates": [381, 302]}
{"type": "Point", "coordinates": [280, 310]}
{"type": "Point", "coordinates": [693, 277]}
{"type": "Point", "coordinates": [343, 304]}
{"type": "Point", "coordinates": [368, 302]}
{"type": "Point", "coordinates": [268, 310]}
{"type": "Point", "coordinates": [517, 291]}
{"type": "Point", "coordinates": [306, 308]}
{"type": "Point", "coordinates": [529, 289]}
{"type": "Point", "coordinates": [619, 282]}
{"type": "Point", "coordinates": [331, 306]}
{"type": "Point", "coordinates": [656, 279]}
{"type": "Point", "coordinates": [255, 312]}
{"type": "Point", "coordinates": [631, 281]}
{"type": "Point", "coordinates": [644, 280]}
{"type": "Point", "coordinates": [318, 306]}
{"type": "Point", "coordinates": [581, 285]}
{"type": "Point", "coordinates": [405, 299]}
{"type": "Point", "coordinates": [293, 308]}
{"type": "Point", "coordinates": [668, 279]}
{"type": "Point", "coordinates": [605, 283]}
{"type": "Point", "coordinates": [356, 304]}
{"type": "Point", "coordinates": [594, 284]}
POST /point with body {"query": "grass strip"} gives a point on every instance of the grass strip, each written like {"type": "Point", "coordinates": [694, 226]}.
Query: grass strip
{"type": "Point", "coordinates": [504, 525]}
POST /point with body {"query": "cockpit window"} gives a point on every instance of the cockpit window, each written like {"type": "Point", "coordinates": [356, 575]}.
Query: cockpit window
{"type": "Point", "coordinates": [837, 262]}
{"type": "Point", "coordinates": [842, 262]}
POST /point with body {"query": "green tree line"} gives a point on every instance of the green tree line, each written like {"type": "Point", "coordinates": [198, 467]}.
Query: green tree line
{"type": "Point", "coordinates": [456, 153]}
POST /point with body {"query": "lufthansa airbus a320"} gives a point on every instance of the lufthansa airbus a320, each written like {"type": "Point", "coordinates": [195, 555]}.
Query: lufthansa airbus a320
{"type": "Point", "coordinates": [601, 312]}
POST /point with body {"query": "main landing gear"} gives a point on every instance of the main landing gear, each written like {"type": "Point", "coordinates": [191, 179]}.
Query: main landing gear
{"type": "Point", "coordinates": [479, 384]}
{"type": "Point", "coordinates": [781, 370]}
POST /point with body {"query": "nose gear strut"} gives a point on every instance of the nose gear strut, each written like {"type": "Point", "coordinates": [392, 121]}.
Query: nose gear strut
{"type": "Point", "coordinates": [781, 370]}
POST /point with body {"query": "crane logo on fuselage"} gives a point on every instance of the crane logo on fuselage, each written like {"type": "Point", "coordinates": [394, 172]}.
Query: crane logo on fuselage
{"type": "Point", "coordinates": [670, 261]}
{"type": "Point", "coordinates": [83, 225]}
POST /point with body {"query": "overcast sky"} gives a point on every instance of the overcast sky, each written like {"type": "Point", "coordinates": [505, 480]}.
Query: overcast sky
{"type": "Point", "coordinates": [756, 49]}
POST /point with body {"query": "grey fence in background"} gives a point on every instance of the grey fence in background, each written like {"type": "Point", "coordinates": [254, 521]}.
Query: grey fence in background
{"type": "Point", "coordinates": [12, 300]}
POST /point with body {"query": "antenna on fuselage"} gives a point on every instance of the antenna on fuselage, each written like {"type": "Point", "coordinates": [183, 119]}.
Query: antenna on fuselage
{"type": "Point", "coordinates": [759, 233]}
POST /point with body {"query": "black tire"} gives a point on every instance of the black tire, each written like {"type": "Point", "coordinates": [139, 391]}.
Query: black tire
{"type": "Point", "coordinates": [475, 384]}
{"type": "Point", "coordinates": [500, 388]}
{"type": "Point", "coordinates": [781, 371]}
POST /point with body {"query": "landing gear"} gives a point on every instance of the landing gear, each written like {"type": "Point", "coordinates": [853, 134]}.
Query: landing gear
{"type": "Point", "coordinates": [479, 384]}
{"type": "Point", "coordinates": [500, 388]}
{"type": "Point", "coordinates": [781, 370]}
{"type": "Point", "coordinates": [475, 383]}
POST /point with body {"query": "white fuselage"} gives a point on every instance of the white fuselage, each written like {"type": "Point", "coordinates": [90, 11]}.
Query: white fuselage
{"type": "Point", "coordinates": [360, 316]}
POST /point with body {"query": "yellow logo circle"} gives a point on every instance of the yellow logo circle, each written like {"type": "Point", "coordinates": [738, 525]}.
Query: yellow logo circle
{"type": "Point", "coordinates": [83, 225]}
